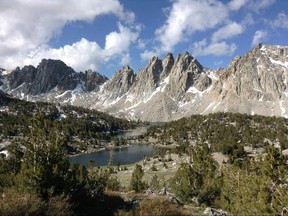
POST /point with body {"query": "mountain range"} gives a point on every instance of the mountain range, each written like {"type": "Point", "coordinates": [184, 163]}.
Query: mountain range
{"type": "Point", "coordinates": [165, 90]}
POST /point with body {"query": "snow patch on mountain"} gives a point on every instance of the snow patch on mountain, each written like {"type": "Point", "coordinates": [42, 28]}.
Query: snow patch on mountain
{"type": "Point", "coordinates": [277, 62]}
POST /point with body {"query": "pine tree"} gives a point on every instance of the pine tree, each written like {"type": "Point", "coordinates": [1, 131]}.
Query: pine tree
{"type": "Point", "coordinates": [44, 161]}
{"type": "Point", "coordinates": [186, 182]}
{"type": "Point", "coordinates": [136, 182]}
{"type": "Point", "coordinates": [15, 156]}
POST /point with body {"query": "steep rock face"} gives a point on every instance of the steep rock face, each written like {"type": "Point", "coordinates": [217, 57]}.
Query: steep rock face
{"type": "Point", "coordinates": [148, 79]}
{"type": "Point", "coordinates": [261, 74]}
{"type": "Point", "coordinates": [52, 73]}
{"type": "Point", "coordinates": [167, 65]}
{"type": "Point", "coordinates": [49, 76]}
{"type": "Point", "coordinates": [18, 77]}
{"type": "Point", "coordinates": [93, 80]}
{"type": "Point", "coordinates": [185, 71]}
{"type": "Point", "coordinates": [255, 83]}
{"type": "Point", "coordinates": [120, 83]}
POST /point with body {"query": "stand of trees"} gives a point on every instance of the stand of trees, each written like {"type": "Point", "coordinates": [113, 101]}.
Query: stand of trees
{"type": "Point", "coordinates": [246, 184]}
{"type": "Point", "coordinates": [37, 175]}
{"type": "Point", "coordinates": [79, 126]}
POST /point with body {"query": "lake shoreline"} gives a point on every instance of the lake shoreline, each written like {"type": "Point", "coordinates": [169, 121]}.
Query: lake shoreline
{"type": "Point", "coordinates": [131, 135]}
{"type": "Point", "coordinates": [123, 155]}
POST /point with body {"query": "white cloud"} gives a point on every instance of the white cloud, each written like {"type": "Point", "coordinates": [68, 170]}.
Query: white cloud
{"type": "Point", "coordinates": [254, 5]}
{"type": "Point", "coordinates": [187, 17]}
{"type": "Point", "coordinates": [142, 43]}
{"type": "Point", "coordinates": [230, 30]}
{"type": "Point", "coordinates": [86, 54]}
{"type": "Point", "coordinates": [28, 26]}
{"type": "Point", "coordinates": [258, 37]}
{"type": "Point", "coordinates": [117, 42]}
{"type": "Point", "coordinates": [237, 4]}
{"type": "Point", "coordinates": [260, 4]}
{"type": "Point", "coordinates": [147, 55]}
{"type": "Point", "coordinates": [78, 54]}
{"type": "Point", "coordinates": [202, 48]}
{"type": "Point", "coordinates": [248, 20]}
{"type": "Point", "coordinates": [125, 59]}
{"type": "Point", "coordinates": [281, 21]}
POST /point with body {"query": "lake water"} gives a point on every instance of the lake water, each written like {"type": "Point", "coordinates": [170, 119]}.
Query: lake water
{"type": "Point", "coordinates": [123, 156]}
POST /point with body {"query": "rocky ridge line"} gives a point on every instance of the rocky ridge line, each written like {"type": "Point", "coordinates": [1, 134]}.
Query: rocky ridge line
{"type": "Point", "coordinates": [167, 89]}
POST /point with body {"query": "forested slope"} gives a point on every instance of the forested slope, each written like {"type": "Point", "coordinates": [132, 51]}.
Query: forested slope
{"type": "Point", "coordinates": [253, 181]}
{"type": "Point", "coordinates": [79, 126]}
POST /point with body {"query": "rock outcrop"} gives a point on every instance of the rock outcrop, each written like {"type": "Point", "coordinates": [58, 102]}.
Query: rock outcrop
{"type": "Point", "coordinates": [93, 80]}
{"type": "Point", "coordinates": [120, 83]}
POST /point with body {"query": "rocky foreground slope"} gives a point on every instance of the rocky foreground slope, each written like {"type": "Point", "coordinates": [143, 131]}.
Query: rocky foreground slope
{"type": "Point", "coordinates": [167, 89]}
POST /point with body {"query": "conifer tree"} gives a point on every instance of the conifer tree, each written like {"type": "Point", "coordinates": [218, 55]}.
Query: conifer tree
{"type": "Point", "coordinates": [136, 182]}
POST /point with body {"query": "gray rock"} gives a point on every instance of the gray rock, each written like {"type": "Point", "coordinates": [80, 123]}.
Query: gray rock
{"type": "Point", "coordinates": [184, 71]}
{"type": "Point", "coordinates": [52, 73]}
{"type": "Point", "coordinates": [121, 82]}
{"type": "Point", "coordinates": [148, 79]}
{"type": "Point", "coordinates": [18, 77]}
{"type": "Point", "coordinates": [167, 65]}
{"type": "Point", "coordinates": [93, 80]}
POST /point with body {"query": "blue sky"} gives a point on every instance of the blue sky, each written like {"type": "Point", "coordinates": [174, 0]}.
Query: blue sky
{"type": "Point", "coordinates": [105, 35]}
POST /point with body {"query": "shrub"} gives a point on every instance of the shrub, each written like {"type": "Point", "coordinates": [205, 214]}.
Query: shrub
{"type": "Point", "coordinates": [59, 206]}
{"type": "Point", "coordinates": [18, 204]}
{"type": "Point", "coordinates": [113, 184]}
{"type": "Point", "coordinates": [157, 206]}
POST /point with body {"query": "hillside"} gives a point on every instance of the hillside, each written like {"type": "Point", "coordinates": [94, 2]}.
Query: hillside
{"type": "Point", "coordinates": [81, 128]}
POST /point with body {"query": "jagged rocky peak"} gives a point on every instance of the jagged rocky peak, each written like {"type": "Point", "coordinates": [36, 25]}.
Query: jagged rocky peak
{"type": "Point", "coordinates": [121, 82]}
{"type": "Point", "coordinates": [271, 50]}
{"type": "Point", "coordinates": [148, 78]}
{"type": "Point", "coordinates": [167, 65]}
{"type": "Point", "coordinates": [51, 74]}
{"type": "Point", "coordinates": [184, 73]}
{"type": "Point", "coordinates": [93, 80]}
{"type": "Point", "coordinates": [261, 74]}
{"type": "Point", "coordinates": [19, 76]}
{"type": "Point", "coordinates": [154, 68]}
{"type": "Point", "coordinates": [186, 62]}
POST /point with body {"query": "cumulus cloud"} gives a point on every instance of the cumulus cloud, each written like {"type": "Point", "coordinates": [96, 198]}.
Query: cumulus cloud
{"type": "Point", "coordinates": [258, 37]}
{"type": "Point", "coordinates": [202, 48]}
{"type": "Point", "coordinates": [237, 4]}
{"type": "Point", "coordinates": [28, 26]}
{"type": "Point", "coordinates": [118, 42]}
{"type": "Point", "coordinates": [147, 55]}
{"type": "Point", "coordinates": [281, 21]}
{"type": "Point", "coordinates": [230, 30]}
{"type": "Point", "coordinates": [187, 17]}
{"type": "Point", "coordinates": [86, 54]}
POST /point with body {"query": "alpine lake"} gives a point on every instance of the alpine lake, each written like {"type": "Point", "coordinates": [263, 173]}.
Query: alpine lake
{"type": "Point", "coordinates": [128, 154]}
